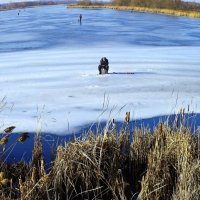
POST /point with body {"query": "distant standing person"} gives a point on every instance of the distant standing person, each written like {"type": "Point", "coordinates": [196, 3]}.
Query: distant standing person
{"type": "Point", "coordinates": [80, 18]}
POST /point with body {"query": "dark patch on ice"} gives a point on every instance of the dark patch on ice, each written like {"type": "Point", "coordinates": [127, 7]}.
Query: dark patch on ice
{"type": "Point", "coordinates": [88, 109]}
{"type": "Point", "coordinates": [78, 107]}
{"type": "Point", "coordinates": [146, 73]}
{"type": "Point", "coordinates": [121, 73]}
{"type": "Point", "coordinates": [96, 109]}
{"type": "Point", "coordinates": [127, 73]}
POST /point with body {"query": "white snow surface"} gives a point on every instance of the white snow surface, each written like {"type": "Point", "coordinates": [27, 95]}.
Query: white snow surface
{"type": "Point", "coordinates": [61, 83]}
{"type": "Point", "coordinates": [73, 93]}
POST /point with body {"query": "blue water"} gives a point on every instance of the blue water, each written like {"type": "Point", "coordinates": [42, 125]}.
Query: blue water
{"type": "Point", "coordinates": [47, 27]}
{"type": "Point", "coordinates": [16, 151]}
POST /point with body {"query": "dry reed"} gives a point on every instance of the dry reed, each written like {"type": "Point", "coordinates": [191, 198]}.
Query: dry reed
{"type": "Point", "coordinates": [176, 12]}
{"type": "Point", "coordinates": [112, 165]}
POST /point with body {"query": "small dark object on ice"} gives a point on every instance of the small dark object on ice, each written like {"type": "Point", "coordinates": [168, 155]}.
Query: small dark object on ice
{"type": "Point", "coordinates": [80, 18]}
{"type": "Point", "coordinates": [104, 66]}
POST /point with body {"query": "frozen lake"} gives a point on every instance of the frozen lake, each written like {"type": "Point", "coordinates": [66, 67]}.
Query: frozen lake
{"type": "Point", "coordinates": [48, 66]}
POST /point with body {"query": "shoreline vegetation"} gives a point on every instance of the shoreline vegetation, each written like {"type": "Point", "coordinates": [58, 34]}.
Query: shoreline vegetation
{"type": "Point", "coordinates": [108, 164]}
{"type": "Point", "coordinates": [22, 5]}
{"type": "Point", "coordinates": [168, 7]}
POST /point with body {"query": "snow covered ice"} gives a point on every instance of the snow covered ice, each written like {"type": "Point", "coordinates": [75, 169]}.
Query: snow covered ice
{"type": "Point", "coordinates": [48, 65]}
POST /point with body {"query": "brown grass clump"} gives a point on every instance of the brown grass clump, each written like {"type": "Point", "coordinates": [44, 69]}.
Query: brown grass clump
{"type": "Point", "coordinates": [92, 168]}
{"type": "Point", "coordinates": [112, 165]}
{"type": "Point", "coordinates": [34, 186]}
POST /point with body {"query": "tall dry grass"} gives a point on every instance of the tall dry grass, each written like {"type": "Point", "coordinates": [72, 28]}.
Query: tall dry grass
{"type": "Point", "coordinates": [113, 165]}
{"type": "Point", "coordinates": [195, 13]}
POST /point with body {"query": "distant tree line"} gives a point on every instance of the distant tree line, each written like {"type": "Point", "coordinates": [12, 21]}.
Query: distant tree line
{"type": "Point", "coordinates": [161, 4]}
{"type": "Point", "coordinates": [91, 2]}
{"type": "Point", "coordinates": [7, 6]}
{"type": "Point", "coordinates": [167, 4]}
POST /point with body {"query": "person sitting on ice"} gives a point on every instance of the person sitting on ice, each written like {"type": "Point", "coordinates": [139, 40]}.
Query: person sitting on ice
{"type": "Point", "coordinates": [104, 66]}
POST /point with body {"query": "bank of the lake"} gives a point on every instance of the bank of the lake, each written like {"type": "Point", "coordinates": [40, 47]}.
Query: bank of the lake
{"type": "Point", "coordinates": [189, 13]}
{"type": "Point", "coordinates": [111, 164]}
{"type": "Point", "coordinates": [28, 4]}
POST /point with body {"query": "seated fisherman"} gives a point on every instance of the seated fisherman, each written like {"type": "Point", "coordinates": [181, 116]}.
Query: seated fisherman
{"type": "Point", "coordinates": [104, 66]}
